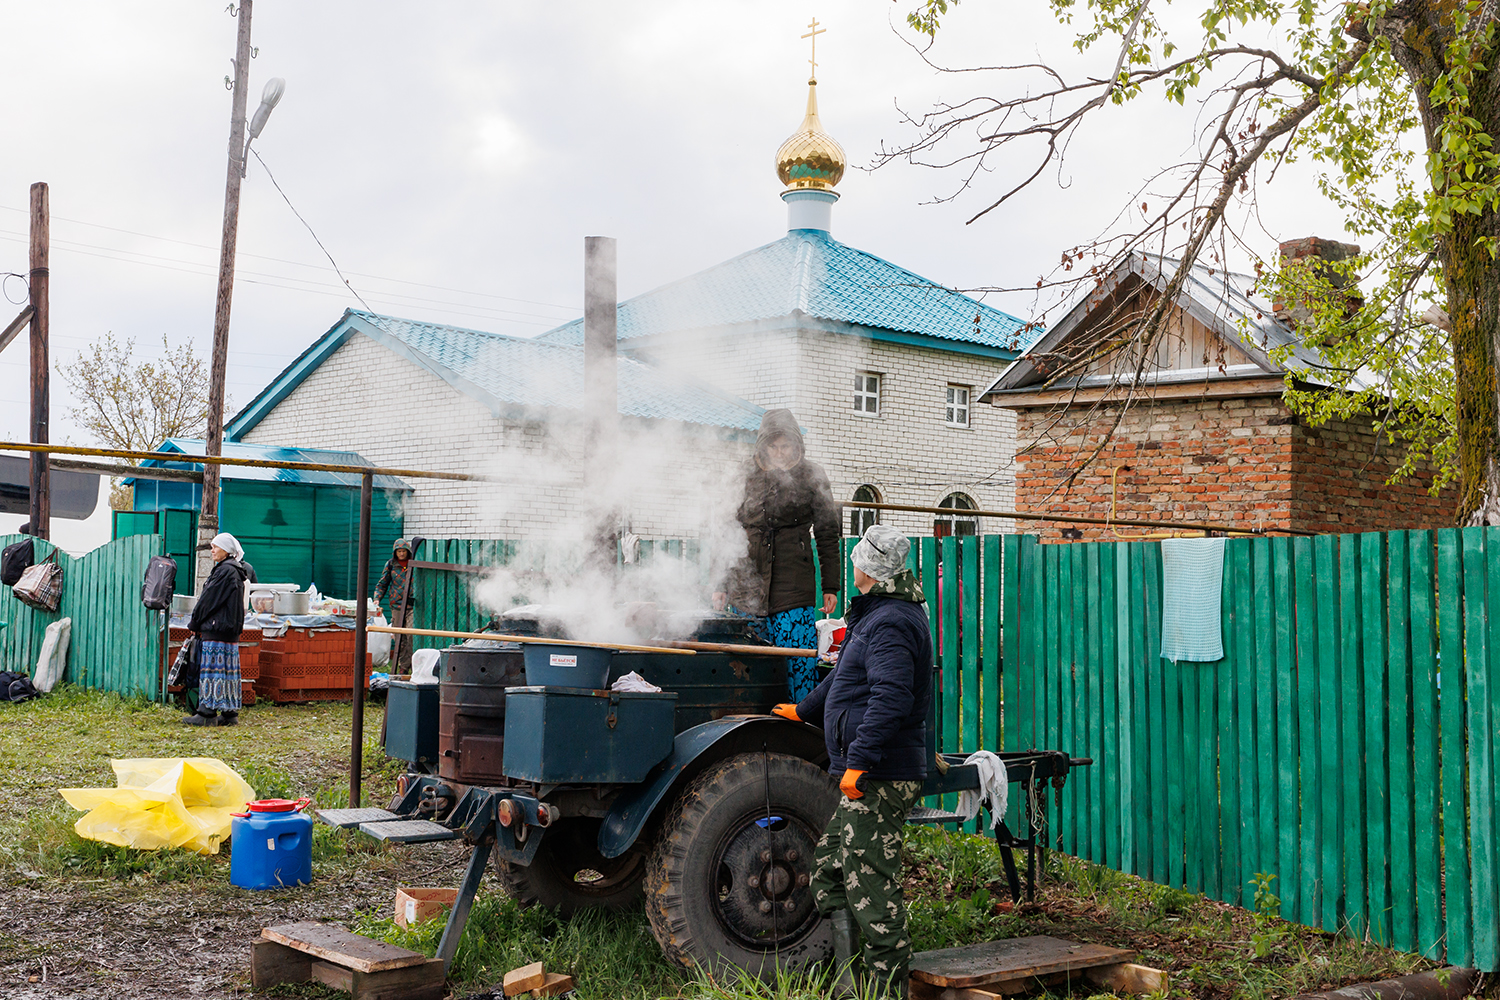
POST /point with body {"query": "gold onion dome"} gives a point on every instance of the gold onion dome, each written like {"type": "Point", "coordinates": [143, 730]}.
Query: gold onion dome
{"type": "Point", "coordinates": [811, 158]}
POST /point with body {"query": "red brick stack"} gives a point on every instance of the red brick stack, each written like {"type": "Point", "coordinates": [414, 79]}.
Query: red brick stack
{"type": "Point", "coordinates": [309, 665]}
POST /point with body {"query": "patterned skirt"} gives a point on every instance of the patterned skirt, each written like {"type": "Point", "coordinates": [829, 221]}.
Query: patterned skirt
{"type": "Point", "coordinates": [798, 629]}
{"type": "Point", "coordinates": [219, 677]}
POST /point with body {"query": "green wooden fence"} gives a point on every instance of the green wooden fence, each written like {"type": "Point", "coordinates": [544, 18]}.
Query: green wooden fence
{"type": "Point", "coordinates": [1346, 743]}
{"type": "Point", "coordinates": [115, 643]}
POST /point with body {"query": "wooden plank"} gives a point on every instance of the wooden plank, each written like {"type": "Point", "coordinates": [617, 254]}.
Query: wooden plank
{"type": "Point", "coordinates": [1305, 607]}
{"type": "Point", "coordinates": [1207, 675]}
{"type": "Point", "coordinates": [1172, 727]}
{"type": "Point", "coordinates": [1010, 630]}
{"type": "Point", "coordinates": [1127, 977]}
{"type": "Point", "coordinates": [1109, 709]}
{"type": "Point", "coordinates": [334, 944]}
{"type": "Point", "coordinates": [1067, 656]}
{"type": "Point", "coordinates": [1426, 774]}
{"type": "Point", "coordinates": [1330, 721]}
{"type": "Point", "coordinates": [1052, 625]}
{"type": "Point", "coordinates": [1482, 608]}
{"type": "Point", "coordinates": [990, 638]}
{"type": "Point", "coordinates": [1094, 703]}
{"type": "Point", "coordinates": [968, 688]}
{"type": "Point", "coordinates": [1247, 697]}
{"type": "Point", "coordinates": [949, 642]}
{"type": "Point", "coordinates": [1400, 597]}
{"type": "Point", "coordinates": [1192, 796]}
{"type": "Point", "coordinates": [1230, 880]}
{"type": "Point", "coordinates": [1011, 958]}
{"type": "Point", "coordinates": [418, 982]}
{"type": "Point", "coordinates": [1377, 801]}
{"type": "Point", "coordinates": [1142, 793]}
{"type": "Point", "coordinates": [272, 964]}
{"type": "Point", "coordinates": [1458, 948]}
{"type": "Point", "coordinates": [524, 979]}
{"type": "Point", "coordinates": [1124, 676]}
{"type": "Point", "coordinates": [1351, 699]}
{"type": "Point", "coordinates": [1161, 817]}
{"type": "Point", "coordinates": [1283, 616]}
{"type": "Point", "coordinates": [1265, 707]}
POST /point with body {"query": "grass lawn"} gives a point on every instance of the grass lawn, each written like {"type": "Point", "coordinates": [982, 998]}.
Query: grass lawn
{"type": "Point", "coordinates": [84, 919]}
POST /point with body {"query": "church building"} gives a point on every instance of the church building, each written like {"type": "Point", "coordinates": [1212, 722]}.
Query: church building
{"type": "Point", "coordinates": [881, 367]}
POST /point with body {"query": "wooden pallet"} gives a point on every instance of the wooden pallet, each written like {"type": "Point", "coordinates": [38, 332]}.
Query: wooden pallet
{"type": "Point", "coordinates": [366, 969]}
{"type": "Point", "coordinates": [1019, 965]}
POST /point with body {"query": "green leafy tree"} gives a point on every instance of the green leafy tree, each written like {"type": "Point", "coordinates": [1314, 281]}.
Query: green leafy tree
{"type": "Point", "coordinates": [135, 406]}
{"type": "Point", "coordinates": [1396, 104]}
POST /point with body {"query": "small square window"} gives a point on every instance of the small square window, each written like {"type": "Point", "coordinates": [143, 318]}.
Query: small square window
{"type": "Point", "coordinates": [956, 413]}
{"type": "Point", "coordinates": [867, 393]}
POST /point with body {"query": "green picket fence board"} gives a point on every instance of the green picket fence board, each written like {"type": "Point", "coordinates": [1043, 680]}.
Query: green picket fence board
{"type": "Point", "coordinates": [1172, 720]}
{"type": "Point", "coordinates": [1238, 559]}
{"type": "Point", "coordinates": [1109, 710]}
{"type": "Point", "coordinates": [1402, 899]}
{"type": "Point", "coordinates": [1264, 673]}
{"type": "Point", "coordinates": [1156, 702]}
{"type": "Point", "coordinates": [1286, 845]}
{"type": "Point", "coordinates": [1192, 794]}
{"type": "Point", "coordinates": [1330, 770]}
{"type": "Point", "coordinates": [1092, 708]}
{"type": "Point", "coordinates": [1309, 805]}
{"type": "Point", "coordinates": [1452, 698]}
{"type": "Point", "coordinates": [990, 632]}
{"type": "Point", "coordinates": [1208, 777]}
{"type": "Point", "coordinates": [950, 645]}
{"type": "Point", "coordinates": [968, 690]}
{"type": "Point", "coordinates": [1377, 801]}
{"type": "Point", "coordinates": [1481, 775]}
{"type": "Point", "coordinates": [1351, 728]}
{"type": "Point", "coordinates": [1426, 774]}
{"type": "Point", "coordinates": [1141, 798]}
{"type": "Point", "coordinates": [1010, 635]}
{"type": "Point", "coordinates": [1067, 739]}
{"type": "Point", "coordinates": [1124, 814]}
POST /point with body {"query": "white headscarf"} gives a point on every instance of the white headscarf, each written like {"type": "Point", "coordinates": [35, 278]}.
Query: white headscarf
{"type": "Point", "coordinates": [230, 544]}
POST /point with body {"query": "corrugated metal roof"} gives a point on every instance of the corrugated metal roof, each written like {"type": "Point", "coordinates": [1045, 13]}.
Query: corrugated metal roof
{"type": "Point", "coordinates": [515, 371]}
{"type": "Point", "coordinates": [270, 453]}
{"type": "Point", "coordinates": [808, 271]}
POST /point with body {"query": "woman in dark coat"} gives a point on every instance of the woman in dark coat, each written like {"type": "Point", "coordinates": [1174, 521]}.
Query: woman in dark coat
{"type": "Point", "coordinates": [788, 504]}
{"type": "Point", "coordinates": [217, 620]}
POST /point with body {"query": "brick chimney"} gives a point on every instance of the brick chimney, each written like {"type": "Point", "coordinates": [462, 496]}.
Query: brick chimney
{"type": "Point", "coordinates": [1318, 249]}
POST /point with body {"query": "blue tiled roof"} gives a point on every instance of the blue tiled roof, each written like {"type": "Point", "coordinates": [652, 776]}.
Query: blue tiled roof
{"type": "Point", "coordinates": [505, 373]}
{"type": "Point", "coordinates": [272, 453]}
{"type": "Point", "coordinates": [808, 271]}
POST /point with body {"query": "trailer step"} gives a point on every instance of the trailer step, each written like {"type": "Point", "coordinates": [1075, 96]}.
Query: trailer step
{"type": "Point", "coordinates": [922, 814]}
{"type": "Point", "coordinates": [408, 831]}
{"type": "Point", "coordinates": [347, 819]}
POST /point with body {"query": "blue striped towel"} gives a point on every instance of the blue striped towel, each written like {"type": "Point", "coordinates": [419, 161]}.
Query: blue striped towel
{"type": "Point", "coordinates": [1192, 571]}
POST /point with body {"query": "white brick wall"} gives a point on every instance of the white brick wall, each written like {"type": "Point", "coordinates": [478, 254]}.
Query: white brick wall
{"type": "Point", "coordinates": [907, 452]}
{"type": "Point", "coordinates": [367, 399]}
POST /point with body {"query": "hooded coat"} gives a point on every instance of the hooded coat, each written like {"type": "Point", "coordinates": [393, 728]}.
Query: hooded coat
{"type": "Point", "coordinates": [779, 508]}
{"type": "Point", "coordinates": [219, 615]}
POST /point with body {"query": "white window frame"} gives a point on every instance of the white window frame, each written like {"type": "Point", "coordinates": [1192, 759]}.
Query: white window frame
{"type": "Point", "coordinates": [862, 394]}
{"type": "Point", "coordinates": [951, 405]}
{"type": "Point", "coordinates": [860, 515]}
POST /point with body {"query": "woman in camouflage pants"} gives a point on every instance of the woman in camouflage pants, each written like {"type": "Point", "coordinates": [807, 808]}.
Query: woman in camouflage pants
{"type": "Point", "coordinates": [873, 711]}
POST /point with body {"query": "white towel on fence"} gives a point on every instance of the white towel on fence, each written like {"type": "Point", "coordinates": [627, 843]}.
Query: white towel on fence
{"type": "Point", "coordinates": [1192, 573]}
{"type": "Point", "coordinates": [993, 790]}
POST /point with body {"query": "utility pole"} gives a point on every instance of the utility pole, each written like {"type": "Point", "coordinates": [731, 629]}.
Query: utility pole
{"type": "Point", "coordinates": [41, 503]}
{"type": "Point", "coordinates": [208, 517]}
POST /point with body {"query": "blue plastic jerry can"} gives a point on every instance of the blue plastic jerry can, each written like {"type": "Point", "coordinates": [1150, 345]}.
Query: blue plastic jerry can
{"type": "Point", "coordinates": [270, 845]}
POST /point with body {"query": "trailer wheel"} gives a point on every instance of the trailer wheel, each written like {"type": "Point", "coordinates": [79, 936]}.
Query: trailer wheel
{"type": "Point", "coordinates": [569, 874]}
{"type": "Point", "coordinates": [727, 883]}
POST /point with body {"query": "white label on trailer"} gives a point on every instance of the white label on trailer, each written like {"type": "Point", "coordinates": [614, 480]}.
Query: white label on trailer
{"type": "Point", "coordinates": [564, 659]}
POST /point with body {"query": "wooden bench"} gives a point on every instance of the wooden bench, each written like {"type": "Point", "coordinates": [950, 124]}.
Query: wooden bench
{"type": "Point", "coordinates": [1018, 965]}
{"type": "Point", "coordinates": [366, 969]}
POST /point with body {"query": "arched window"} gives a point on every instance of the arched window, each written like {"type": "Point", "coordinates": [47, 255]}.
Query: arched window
{"type": "Point", "coordinates": [860, 518]}
{"type": "Point", "coordinates": [944, 525]}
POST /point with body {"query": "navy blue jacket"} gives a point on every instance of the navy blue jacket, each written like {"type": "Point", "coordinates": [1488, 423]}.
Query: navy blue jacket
{"type": "Point", "coordinates": [873, 706]}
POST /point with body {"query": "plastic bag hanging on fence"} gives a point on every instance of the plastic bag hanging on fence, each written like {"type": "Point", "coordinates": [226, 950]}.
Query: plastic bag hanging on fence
{"type": "Point", "coordinates": [41, 585]}
{"type": "Point", "coordinates": [163, 802]}
{"type": "Point", "coordinates": [54, 656]}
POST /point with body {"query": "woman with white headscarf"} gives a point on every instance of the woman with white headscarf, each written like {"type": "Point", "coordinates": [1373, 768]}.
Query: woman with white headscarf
{"type": "Point", "coordinates": [218, 618]}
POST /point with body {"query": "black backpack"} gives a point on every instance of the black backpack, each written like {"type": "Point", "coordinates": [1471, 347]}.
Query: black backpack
{"type": "Point", "coordinates": [14, 560]}
{"type": "Point", "coordinates": [159, 583]}
{"type": "Point", "coordinates": [15, 687]}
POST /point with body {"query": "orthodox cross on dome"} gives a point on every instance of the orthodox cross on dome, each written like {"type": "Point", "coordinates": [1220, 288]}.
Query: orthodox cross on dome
{"type": "Point", "coordinates": [813, 34]}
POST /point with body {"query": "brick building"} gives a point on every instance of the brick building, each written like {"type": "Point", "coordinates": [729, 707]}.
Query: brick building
{"type": "Point", "coordinates": [1207, 437]}
{"type": "Point", "coordinates": [881, 367]}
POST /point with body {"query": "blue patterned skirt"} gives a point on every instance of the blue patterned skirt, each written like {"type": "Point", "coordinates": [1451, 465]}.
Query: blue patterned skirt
{"type": "Point", "coordinates": [219, 677]}
{"type": "Point", "coordinates": [798, 629]}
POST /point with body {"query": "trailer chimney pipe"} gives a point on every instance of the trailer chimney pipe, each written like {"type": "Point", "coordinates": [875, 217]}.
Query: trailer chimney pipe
{"type": "Point", "coordinates": [601, 408]}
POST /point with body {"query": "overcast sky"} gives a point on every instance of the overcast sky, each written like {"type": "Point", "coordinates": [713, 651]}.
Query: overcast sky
{"type": "Point", "coordinates": [453, 156]}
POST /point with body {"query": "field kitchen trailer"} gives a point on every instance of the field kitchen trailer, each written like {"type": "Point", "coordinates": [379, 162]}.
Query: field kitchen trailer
{"type": "Point", "coordinates": [694, 799]}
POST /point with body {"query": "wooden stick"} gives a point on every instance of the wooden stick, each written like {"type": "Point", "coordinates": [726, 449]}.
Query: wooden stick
{"type": "Point", "coordinates": [498, 637]}
{"type": "Point", "coordinates": [730, 647]}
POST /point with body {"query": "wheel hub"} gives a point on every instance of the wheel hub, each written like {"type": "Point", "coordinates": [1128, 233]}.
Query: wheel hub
{"type": "Point", "coordinates": [765, 869]}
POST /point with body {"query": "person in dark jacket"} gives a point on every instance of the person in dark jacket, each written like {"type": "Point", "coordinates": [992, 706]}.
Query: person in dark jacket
{"type": "Point", "coordinates": [218, 618]}
{"type": "Point", "coordinates": [787, 505]}
{"type": "Point", "coordinates": [397, 582]}
{"type": "Point", "coordinates": [873, 712]}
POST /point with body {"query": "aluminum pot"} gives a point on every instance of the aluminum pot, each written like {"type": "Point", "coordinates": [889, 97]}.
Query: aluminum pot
{"type": "Point", "coordinates": [183, 603]}
{"type": "Point", "coordinates": [290, 604]}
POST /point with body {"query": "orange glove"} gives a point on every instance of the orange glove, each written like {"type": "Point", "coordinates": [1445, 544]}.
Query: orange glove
{"type": "Point", "coordinates": [848, 784]}
{"type": "Point", "coordinates": [786, 711]}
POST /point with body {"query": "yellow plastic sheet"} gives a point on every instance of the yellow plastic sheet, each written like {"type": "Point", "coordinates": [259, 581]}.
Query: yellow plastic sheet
{"type": "Point", "coordinates": [162, 802]}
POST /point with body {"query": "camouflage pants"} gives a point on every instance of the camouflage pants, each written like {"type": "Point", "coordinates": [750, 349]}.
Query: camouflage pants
{"type": "Point", "coordinates": [858, 868]}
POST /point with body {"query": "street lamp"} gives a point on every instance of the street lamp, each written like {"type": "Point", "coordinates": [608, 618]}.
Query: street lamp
{"type": "Point", "coordinates": [269, 98]}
